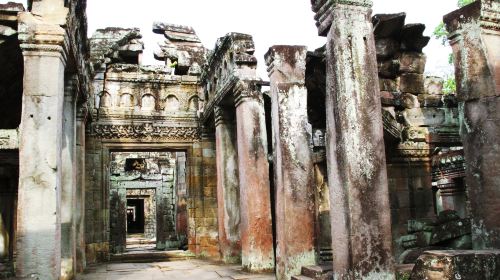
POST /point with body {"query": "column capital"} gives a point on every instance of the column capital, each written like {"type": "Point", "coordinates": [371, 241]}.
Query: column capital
{"type": "Point", "coordinates": [39, 38]}
{"type": "Point", "coordinates": [323, 10]}
{"type": "Point", "coordinates": [219, 116]}
{"type": "Point", "coordinates": [287, 62]}
{"type": "Point", "coordinates": [247, 90]}
{"type": "Point", "coordinates": [82, 112]}
{"type": "Point", "coordinates": [486, 13]}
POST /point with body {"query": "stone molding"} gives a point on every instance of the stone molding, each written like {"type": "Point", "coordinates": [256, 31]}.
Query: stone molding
{"type": "Point", "coordinates": [148, 130]}
{"type": "Point", "coordinates": [247, 90]}
{"type": "Point", "coordinates": [323, 10]}
{"type": "Point", "coordinates": [219, 116]}
{"type": "Point", "coordinates": [38, 38]}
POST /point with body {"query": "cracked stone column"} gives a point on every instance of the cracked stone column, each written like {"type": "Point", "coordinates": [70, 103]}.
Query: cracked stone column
{"type": "Point", "coordinates": [39, 200]}
{"type": "Point", "coordinates": [79, 212]}
{"type": "Point", "coordinates": [475, 38]}
{"type": "Point", "coordinates": [68, 180]}
{"type": "Point", "coordinates": [228, 189]}
{"type": "Point", "coordinates": [361, 217]}
{"type": "Point", "coordinates": [257, 251]}
{"type": "Point", "coordinates": [293, 167]}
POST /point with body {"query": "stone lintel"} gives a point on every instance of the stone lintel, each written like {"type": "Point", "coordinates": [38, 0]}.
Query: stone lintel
{"type": "Point", "coordinates": [324, 11]}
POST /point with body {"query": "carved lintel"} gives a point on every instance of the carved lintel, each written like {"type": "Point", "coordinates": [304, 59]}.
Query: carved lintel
{"type": "Point", "coordinates": [144, 131]}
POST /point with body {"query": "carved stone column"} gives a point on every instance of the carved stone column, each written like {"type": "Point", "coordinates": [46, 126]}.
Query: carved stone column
{"type": "Point", "coordinates": [68, 180]}
{"type": "Point", "coordinates": [79, 213]}
{"type": "Point", "coordinates": [360, 210]}
{"type": "Point", "coordinates": [39, 212]}
{"type": "Point", "coordinates": [475, 37]}
{"type": "Point", "coordinates": [228, 189]}
{"type": "Point", "coordinates": [293, 167]}
{"type": "Point", "coordinates": [255, 195]}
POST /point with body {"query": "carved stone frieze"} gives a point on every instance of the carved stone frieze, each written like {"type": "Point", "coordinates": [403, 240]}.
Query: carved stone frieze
{"type": "Point", "coordinates": [110, 131]}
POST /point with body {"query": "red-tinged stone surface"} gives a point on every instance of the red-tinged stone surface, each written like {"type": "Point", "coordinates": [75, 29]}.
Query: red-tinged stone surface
{"type": "Point", "coordinates": [293, 166]}
{"type": "Point", "coordinates": [228, 191]}
{"type": "Point", "coordinates": [361, 219]}
{"type": "Point", "coordinates": [255, 226]}
{"type": "Point", "coordinates": [475, 42]}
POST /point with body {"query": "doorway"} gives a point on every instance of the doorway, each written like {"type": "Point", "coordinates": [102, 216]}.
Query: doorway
{"type": "Point", "coordinates": [135, 216]}
{"type": "Point", "coordinates": [146, 189]}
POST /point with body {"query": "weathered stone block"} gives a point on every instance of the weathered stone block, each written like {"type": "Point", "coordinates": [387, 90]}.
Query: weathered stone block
{"type": "Point", "coordinates": [412, 62]}
{"type": "Point", "coordinates": [420, 225]}
{"type": "Point", "coordinates": [433, 85]}
{"type": "Point", "coordinates": [409, 101]}
{"type": "Point", "coordinates": [450, 230]}
{"type": "Point", "coordinates": [390, 85]}
{"type": "Point", "coordinates": [412, 83]}
{"type": "Point", "coordinates": [427, 100]}
{"type": "Point", "coordinates": [387, 98]}
{"type": "Point", "coordinates": [452, 265]}
{"type": "Point", "coordinates": [388, 69]}
{"type": "Point", "coordinates": [386, 48]}
{"type": "Point", "coordinates": [430, 117]}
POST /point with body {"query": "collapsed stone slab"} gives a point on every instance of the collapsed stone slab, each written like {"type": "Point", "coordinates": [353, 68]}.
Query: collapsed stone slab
{"type": "Point", "coordinates": [451, 265]}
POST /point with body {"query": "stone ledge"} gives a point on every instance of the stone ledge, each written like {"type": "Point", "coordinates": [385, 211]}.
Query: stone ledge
{"type": "Point", "coordinates": [458, 264]}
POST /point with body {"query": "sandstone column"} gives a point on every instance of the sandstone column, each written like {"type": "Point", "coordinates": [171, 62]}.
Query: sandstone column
{"type": "Point", "coordinates": [360, 211]}
{"type": "Point", "coordinates": [228, 190]}
{"type": "Point", "coordinates": [39, 215]}
{"type": "Point", "coordinates": [255, 198]}
{"type": "Point", "coordinates": [475, 39]}
{"type": "Point", "coordinates": [293, 167]}
{"type": "Point", "coordinates": [68, 180]}
{"type": "Point", "coordinates": [79, 213]}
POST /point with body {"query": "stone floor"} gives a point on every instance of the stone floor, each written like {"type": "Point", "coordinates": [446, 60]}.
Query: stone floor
{"type": "Point", "coordinates": [172, 270]}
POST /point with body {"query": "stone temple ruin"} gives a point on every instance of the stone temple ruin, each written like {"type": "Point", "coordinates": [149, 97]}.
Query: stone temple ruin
{"type": "Point", "coordinates": [346, 162]}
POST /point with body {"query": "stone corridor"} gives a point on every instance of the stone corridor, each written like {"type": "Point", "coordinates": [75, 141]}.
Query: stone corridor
{"type": "Point", "coordinates": [346, 162]}
{"type": "Point", "coordinates": [178, 270]}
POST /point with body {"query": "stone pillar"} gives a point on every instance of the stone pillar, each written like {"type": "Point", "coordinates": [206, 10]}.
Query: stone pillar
{"type": "Point", "coordinates": [68, 180]}
{"type": "Point", "coordinates": [475, 37]}
{"type": "Point", "coordinates": [228, 189]}
{"type": "Point", "coordinates": [293, 166]}
{"type": "Point", "coordinates": [257, 251]}
{"type": "Point", "coordinates": [40, 143]}
{"type": "Point", "coordinates": [79, 213]}
{"type": "Point", "coordinates": [360, 210]}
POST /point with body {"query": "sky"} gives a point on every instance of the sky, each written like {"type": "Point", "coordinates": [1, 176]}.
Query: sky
{"type": "Point", "coordinates": [270, 22]}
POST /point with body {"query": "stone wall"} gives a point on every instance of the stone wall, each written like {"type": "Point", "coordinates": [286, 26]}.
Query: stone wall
{"type": "Point", "coordinates": [419, 120]}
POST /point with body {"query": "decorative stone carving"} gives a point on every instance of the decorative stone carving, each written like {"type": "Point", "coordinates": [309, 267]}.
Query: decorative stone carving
{"type": "Point", "coordinates": [145, 131]}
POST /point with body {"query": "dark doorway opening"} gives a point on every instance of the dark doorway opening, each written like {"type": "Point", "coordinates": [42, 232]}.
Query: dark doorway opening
{"type": "Point", "coordinates": [135, 216]}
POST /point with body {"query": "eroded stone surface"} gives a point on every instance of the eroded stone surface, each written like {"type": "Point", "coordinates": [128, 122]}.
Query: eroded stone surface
{"type": "Point", "coordinates": [457, 265]}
